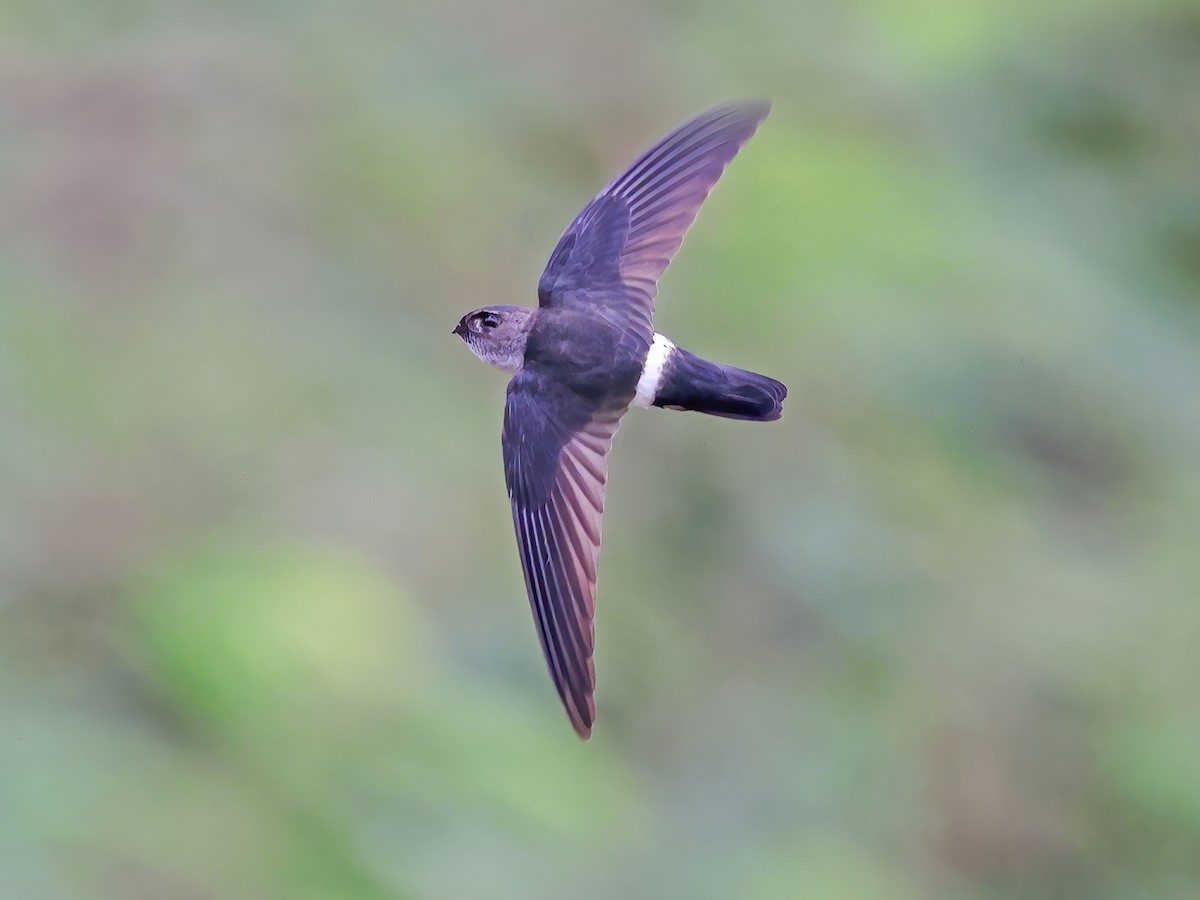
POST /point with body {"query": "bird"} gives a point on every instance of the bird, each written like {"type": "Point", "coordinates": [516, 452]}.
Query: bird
{"type": "Point", "coordinates": [588, 353]}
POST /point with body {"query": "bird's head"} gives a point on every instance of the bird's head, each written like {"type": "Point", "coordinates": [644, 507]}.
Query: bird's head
{"type": "Point", "coordinates": [497, 334]}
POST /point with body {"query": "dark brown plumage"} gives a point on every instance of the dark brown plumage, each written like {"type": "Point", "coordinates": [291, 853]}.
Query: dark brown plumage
{"type": "Point", "coordinates": [583, 357]}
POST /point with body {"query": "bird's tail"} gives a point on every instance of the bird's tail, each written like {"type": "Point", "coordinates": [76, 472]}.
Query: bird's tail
{"type": "Point", "coordinates": [692, 383]}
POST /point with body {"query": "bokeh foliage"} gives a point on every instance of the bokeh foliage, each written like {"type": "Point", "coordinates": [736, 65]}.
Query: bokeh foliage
{"type": "Point", "coordinates": [262, 627]}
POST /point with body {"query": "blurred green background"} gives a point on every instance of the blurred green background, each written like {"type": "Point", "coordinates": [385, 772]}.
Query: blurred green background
{"type": "Point", "coordinates": [263, 631]}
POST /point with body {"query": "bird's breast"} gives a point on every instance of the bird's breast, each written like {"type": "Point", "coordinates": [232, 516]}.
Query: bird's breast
{"type": "Point", "coordinates": [586, 354]}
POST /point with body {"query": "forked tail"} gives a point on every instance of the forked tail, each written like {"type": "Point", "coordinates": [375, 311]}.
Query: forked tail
{"type": "Point", "coordinates": [688, 382]}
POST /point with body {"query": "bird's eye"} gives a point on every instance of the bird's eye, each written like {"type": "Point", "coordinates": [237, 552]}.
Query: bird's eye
{"type": "Point", "coordinates": [487, 320]}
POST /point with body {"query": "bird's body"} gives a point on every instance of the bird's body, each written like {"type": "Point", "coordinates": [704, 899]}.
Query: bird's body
{"type": "Point", "coordinates": [588, 353]}
{"type": "Point", "coordinates": [594, 358]}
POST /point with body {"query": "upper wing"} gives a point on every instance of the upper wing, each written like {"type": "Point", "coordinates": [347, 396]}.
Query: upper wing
{"type": "Point", "coordinates": [612, 255]}
{"type": "Point", "coordinates": [555, 465]}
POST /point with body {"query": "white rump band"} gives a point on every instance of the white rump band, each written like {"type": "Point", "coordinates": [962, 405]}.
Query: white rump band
{"type": "Point", "coordinates": [652, 371]}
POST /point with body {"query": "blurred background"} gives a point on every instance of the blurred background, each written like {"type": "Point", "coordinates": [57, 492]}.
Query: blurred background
{"type": "Point", "coordinates": [263, 631]}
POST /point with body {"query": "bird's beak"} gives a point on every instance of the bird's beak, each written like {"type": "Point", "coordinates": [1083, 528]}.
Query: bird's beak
{"type": "Point", "coordinates": [459, 330]}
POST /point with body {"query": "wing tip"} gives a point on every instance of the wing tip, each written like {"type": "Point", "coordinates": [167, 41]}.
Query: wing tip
{"type": "Point", "coordinates": [582, 719]}
{"type": "Point", "coordinates": [753, 109]}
